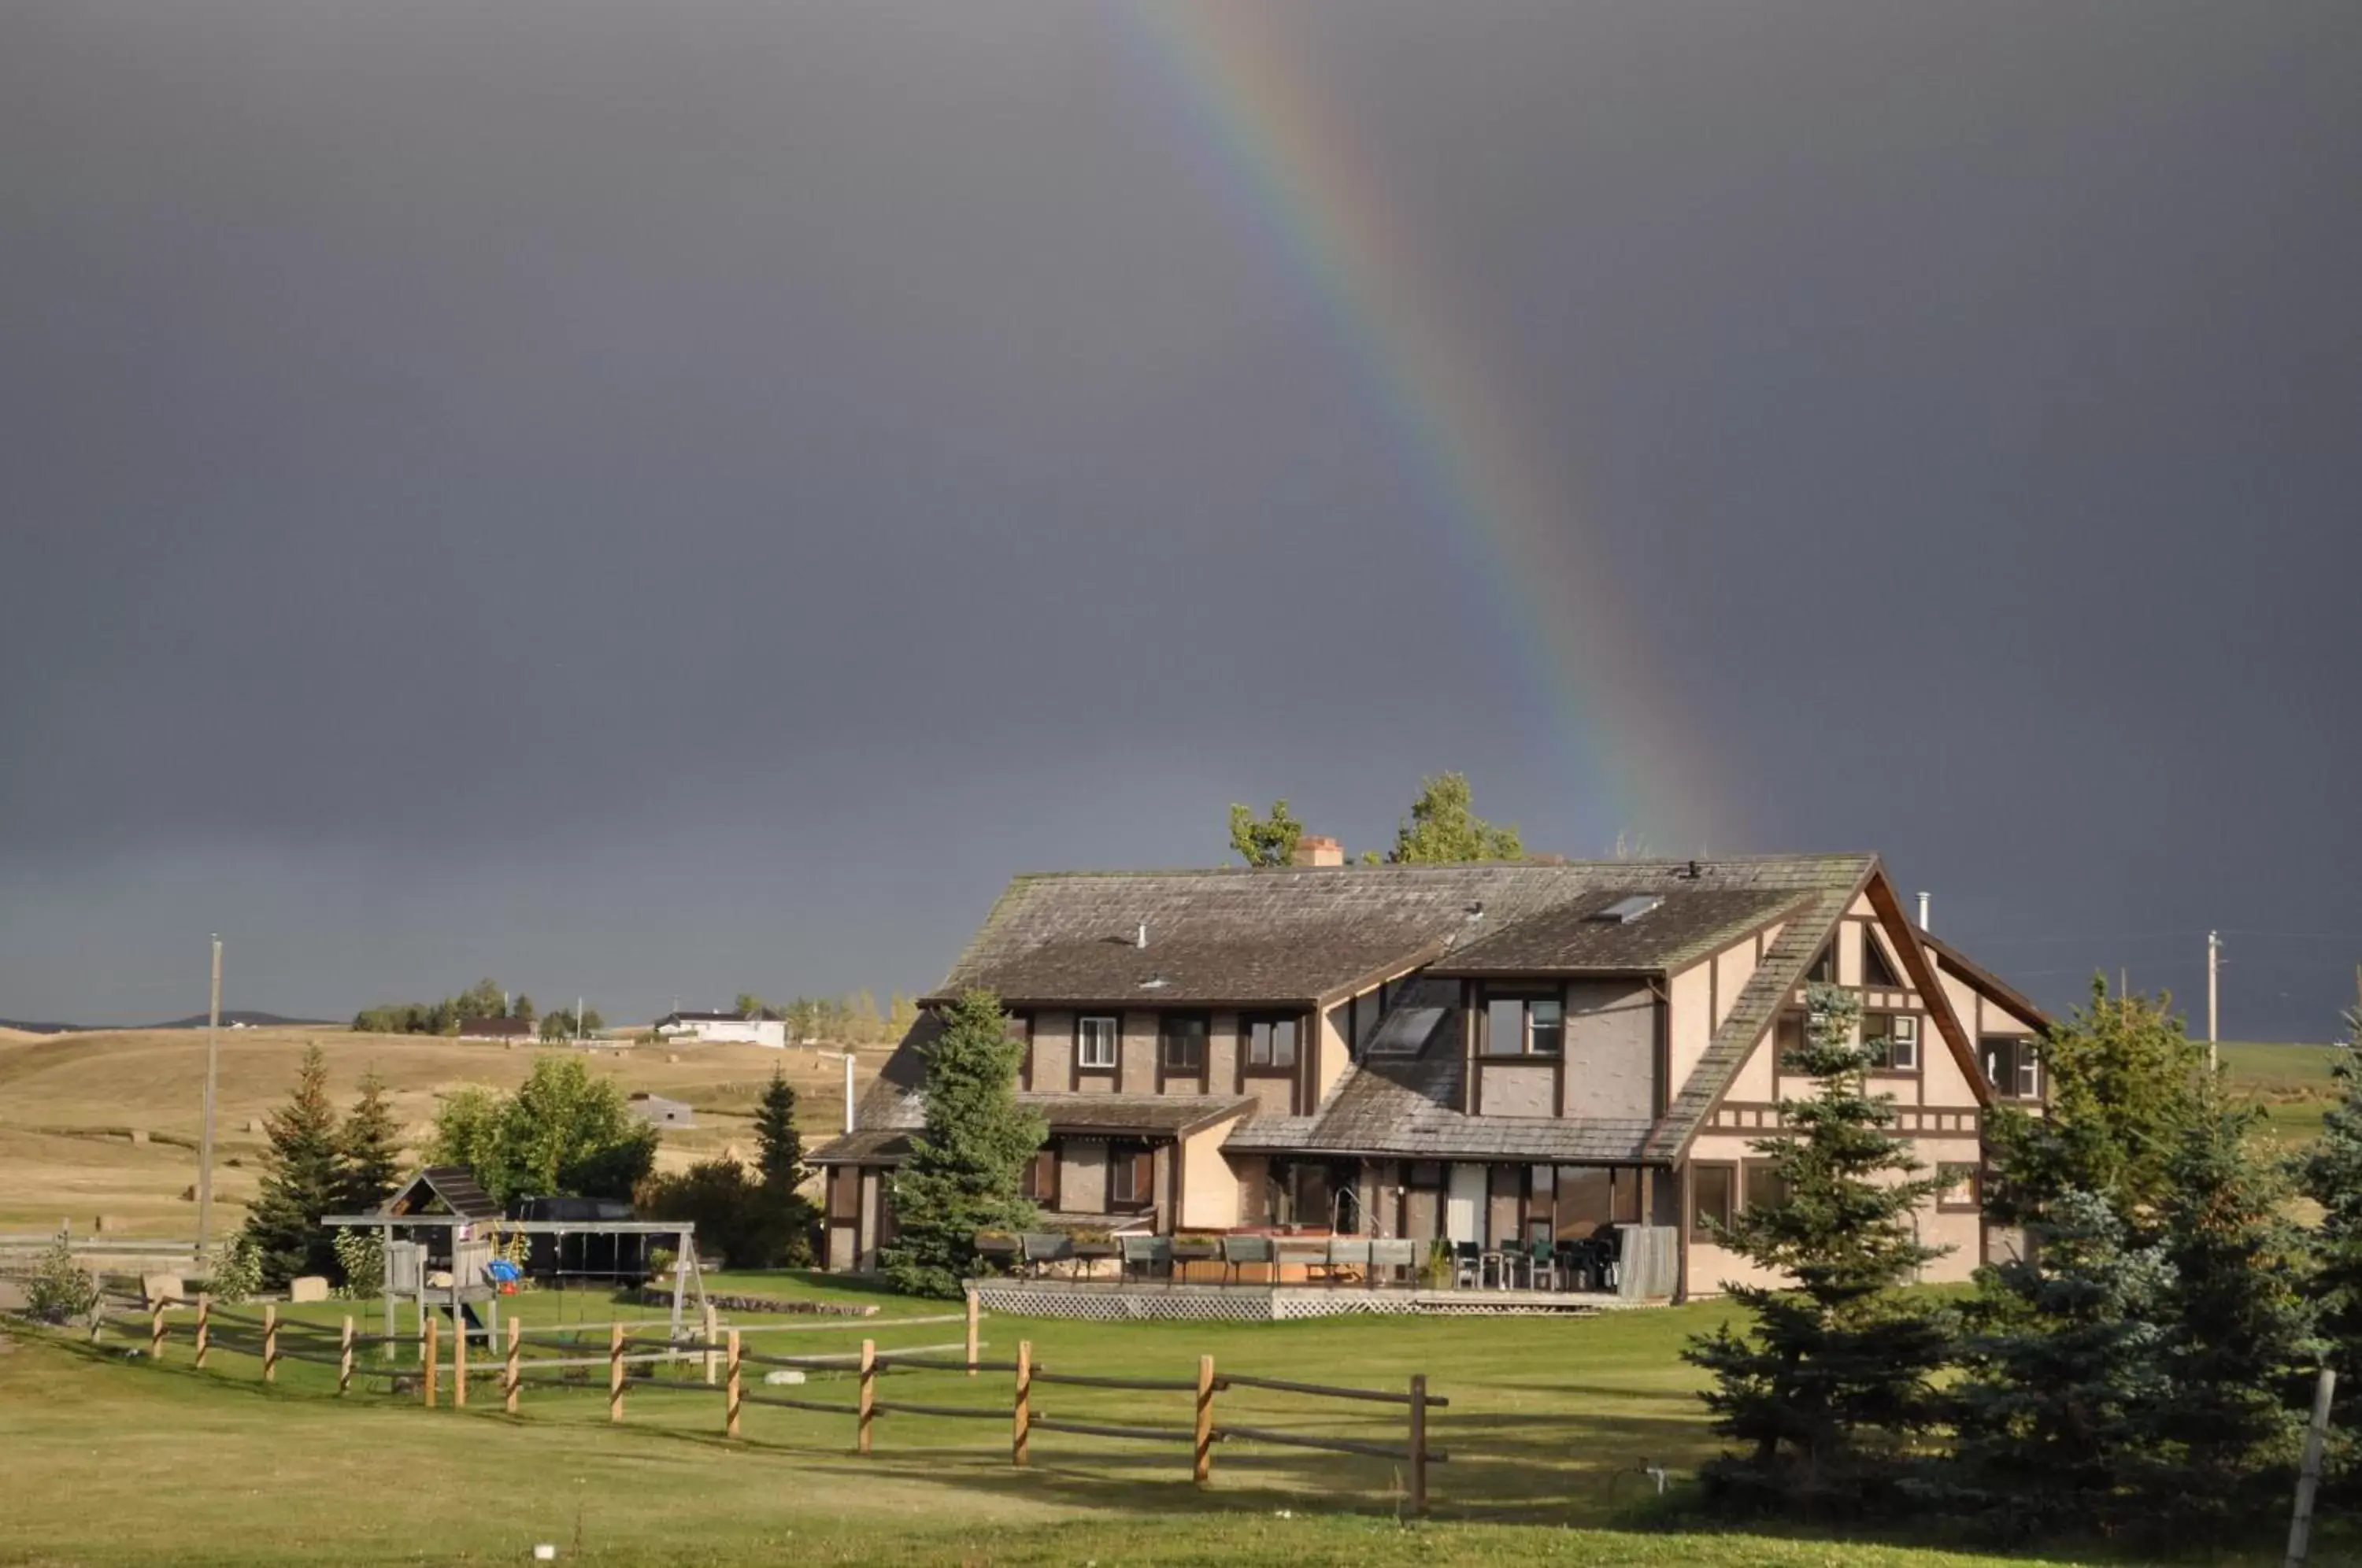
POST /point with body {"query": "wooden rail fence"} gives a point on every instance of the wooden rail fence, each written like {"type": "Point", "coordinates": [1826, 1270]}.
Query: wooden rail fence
{"type": "Point", "coordinates": [522, 1363]}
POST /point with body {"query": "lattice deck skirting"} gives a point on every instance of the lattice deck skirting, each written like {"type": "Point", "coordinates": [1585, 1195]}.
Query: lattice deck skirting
{"type": "Point", "coordinates": [1264, 1303]}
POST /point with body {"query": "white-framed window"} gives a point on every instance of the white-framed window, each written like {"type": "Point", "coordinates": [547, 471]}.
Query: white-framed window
{"type": "Point", "coordinates": [1893, 1041]}
{"type": "Point", "coordinates": [1524, 1026]}
{"type": "Point", "coordinates": [1095, 1045]}
{"type": "Point", "coordinates": [2012, 1066]}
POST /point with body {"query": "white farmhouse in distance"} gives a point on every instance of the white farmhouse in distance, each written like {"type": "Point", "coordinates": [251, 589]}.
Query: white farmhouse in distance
{"type": "Point", "coordinates": [766, 1028]}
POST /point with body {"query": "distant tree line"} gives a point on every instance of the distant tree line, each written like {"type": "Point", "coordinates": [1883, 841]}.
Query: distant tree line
{"type": "Point", "coordinates": [485, 999]}
{"type": "Point", "coordinates": [849, 1020]}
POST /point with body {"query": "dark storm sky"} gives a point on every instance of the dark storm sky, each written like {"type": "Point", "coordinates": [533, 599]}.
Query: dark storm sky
{"type": "Point", "coordinates": [652, 502]}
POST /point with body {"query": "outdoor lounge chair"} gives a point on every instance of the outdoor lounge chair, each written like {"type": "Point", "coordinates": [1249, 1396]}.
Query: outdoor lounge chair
{"type": "Point", "coordinates": [1043, 1248]}
{"type": "Point", "coordinates": [1349, 1254]}
{"type": "Point", "coordinates": [1305, 1253]}
{"type": "Point", "coordinates": [1400, 1254]}
{"type": "Point", "coordinates": [1238, 1250]}
{"type": "Point", "coordinates": [1148, 1255]}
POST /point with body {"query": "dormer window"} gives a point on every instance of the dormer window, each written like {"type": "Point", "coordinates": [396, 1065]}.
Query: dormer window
{"type": "Point", "coordinates": [1524, 1026]}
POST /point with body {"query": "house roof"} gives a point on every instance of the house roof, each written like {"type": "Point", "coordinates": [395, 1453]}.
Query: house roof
{"type": "Point", "coordinates": [1580, 934]}
{"type": "Point", "coordinates": [1085, 1115]}
{"type": "Point", "coordinates": [1160, 1114]}
{"type": "Point", "coordinates": [1317, 930]}
{"type": "Point", "coordinates": [1303, 934]}
{"type": "Point", "coordinates": [1982, 979]}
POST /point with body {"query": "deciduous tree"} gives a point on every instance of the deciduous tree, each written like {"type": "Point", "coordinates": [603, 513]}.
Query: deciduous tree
{"type": "Point", "coordinates": [1444, 828]}
{"type": "Point", "coordinates": [1266, 841]}
{"type": "Point", "coordinates": [565, 1133]}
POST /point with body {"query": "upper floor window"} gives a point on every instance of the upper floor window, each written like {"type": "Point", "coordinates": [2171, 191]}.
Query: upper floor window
{"type": "Point", "coordinates": [1524, 1026]}
{"type": "Point", "coordinates": [1182, 1043]}
{"type": "Point", "coordinates": [1765, 1186]}
{"type": "Point", "coordinates": [1964, 1186]}
{"type": "Point", "coordinates": [2011, 1065]}
{"type": "Point", "coordinates": [1271, 1041]}
{"type": "Point", "coordinates": [1095, 1044]}
{"type": "Point", "coordinates": [1788, 1039]}
{"type": "Point", "coordinates": [1893, 1041]}
{"type": "Point", "coordinates": [1875, 969]}
{"type": "Point", "coordinates": [1825, 967]}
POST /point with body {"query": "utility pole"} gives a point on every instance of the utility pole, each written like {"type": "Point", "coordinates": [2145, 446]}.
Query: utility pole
{"type": "Point", "coordinates": [2213, 993]}
{"type": "Point", "coordinates": [580, 1033]}
{"type": "Point", "coordinates": [206, 1138]}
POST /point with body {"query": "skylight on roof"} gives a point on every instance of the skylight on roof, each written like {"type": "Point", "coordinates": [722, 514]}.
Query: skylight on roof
{"type": "Point", "coordinates": [1625, 910]}
{"type": "Point", "coordinates": [1404, 1031]}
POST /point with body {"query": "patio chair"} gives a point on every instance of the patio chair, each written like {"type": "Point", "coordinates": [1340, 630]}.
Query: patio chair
{"type": "Point", "coordinates": [1303, 1253]}
{"type": "Point", "coordinates": [1467, 1266]}
{"type": "Point", "coordinates": [1238, 1250]}
{"type": "Point", "coordinates": [1349, 1254]}
{"type": "Point", "coordinates": [1043, 1248]}
{"type": "Point", "coordinates": [1395, 1255]}
{"type": "Point", "coordinates": [1147, 1254]}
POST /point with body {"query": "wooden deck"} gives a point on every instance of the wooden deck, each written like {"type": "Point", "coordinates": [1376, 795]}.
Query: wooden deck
{"type": "Point", "coordinates": [1110, 1300]}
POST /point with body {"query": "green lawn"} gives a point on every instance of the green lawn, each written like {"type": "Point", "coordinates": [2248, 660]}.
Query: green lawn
{"type": "Point", "coordinates": [113, 1460]}
{"type": "Point", "coordinates": [2291, 1083]}
{"type": "Point", "coordinates": [110, 1459]}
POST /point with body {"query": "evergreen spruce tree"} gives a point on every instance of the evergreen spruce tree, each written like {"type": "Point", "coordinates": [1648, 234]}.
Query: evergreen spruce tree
{"type": "Point", "coordinates": [2331, 1175]}
{"type": "Point", "coordinates": [2063, 1377]}
{"type": "Point", "coordinates": [369, 1149]}
{"type": "Point", "coordinates": [779, 1163]}
{"type": "Point", "coordinates": [2239, 1339]}
{"type": "Point", "coordinates": [966, 1167]}
{"type": "Point", "coordinates": [301, 1181]}
{"type": "Point", "coordinates": [1831, 1387]}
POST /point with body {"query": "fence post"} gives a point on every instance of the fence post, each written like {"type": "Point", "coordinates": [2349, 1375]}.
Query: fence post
{"type": "Point", "coordinates": [2300, 1542]}
{"type": "Point", "coordinates": [973, 1313]}
{"type": "Point", "coordinates": [868, 1394]}
{"type": "Point", "coordinates": [432, 1369]}
{"type": "Point", "coordinates": [615, 1371]}
{"type": "Point", "coordinates": [711, 1327]}
{"type": "Point", "coordinates": [1203, 1470]}
{"type": "Point", "coordinates": [1418, 1444]}
{"type": "Point", "coordinates": [730, 1398]}
{"type": "Point", "coordinates": [156, 1332]}
{"type": "Point", "coordinates": [205, 1326]}
{"type": "Point", "coordinates": [345, 1359]}
{"type": "Point", "coordinates": [1022, 1425]}
{"type": "Point", "coordinates": [459, 1360]}
{"type": "Point", "coordinates": [516, 1374]}
{"type": "Point", "coordinates": [270, 1342]}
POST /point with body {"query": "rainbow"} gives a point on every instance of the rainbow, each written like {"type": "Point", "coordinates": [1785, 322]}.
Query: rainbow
{"type": "Point", "coordinates": [1289, 159]}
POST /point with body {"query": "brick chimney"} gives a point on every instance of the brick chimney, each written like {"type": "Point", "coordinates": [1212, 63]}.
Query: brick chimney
{"type": "Point", "coordinates": [1315, 851]}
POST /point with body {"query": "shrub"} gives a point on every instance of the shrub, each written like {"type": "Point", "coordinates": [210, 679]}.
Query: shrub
{"type": "Point", "coordinates": [60, 1287]}
{"type": "Point", "coordinates": [237, 1273]}
{"type": "Point", "coordinates": [360, 1255]}
{"type": "Point", "coordinates": [736, 1214]}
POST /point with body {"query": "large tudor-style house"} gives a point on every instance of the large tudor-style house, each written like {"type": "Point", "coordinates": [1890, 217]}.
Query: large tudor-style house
{"type": "Point", "coordinates": [1501, 1054]}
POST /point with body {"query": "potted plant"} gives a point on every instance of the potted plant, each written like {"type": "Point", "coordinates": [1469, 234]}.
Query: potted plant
{"type": "Point", "coordinates": [1436, 1274]}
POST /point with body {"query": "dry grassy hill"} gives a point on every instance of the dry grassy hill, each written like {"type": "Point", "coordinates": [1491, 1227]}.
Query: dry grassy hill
{"type": "Point", "coordinates": [70, 1104]}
